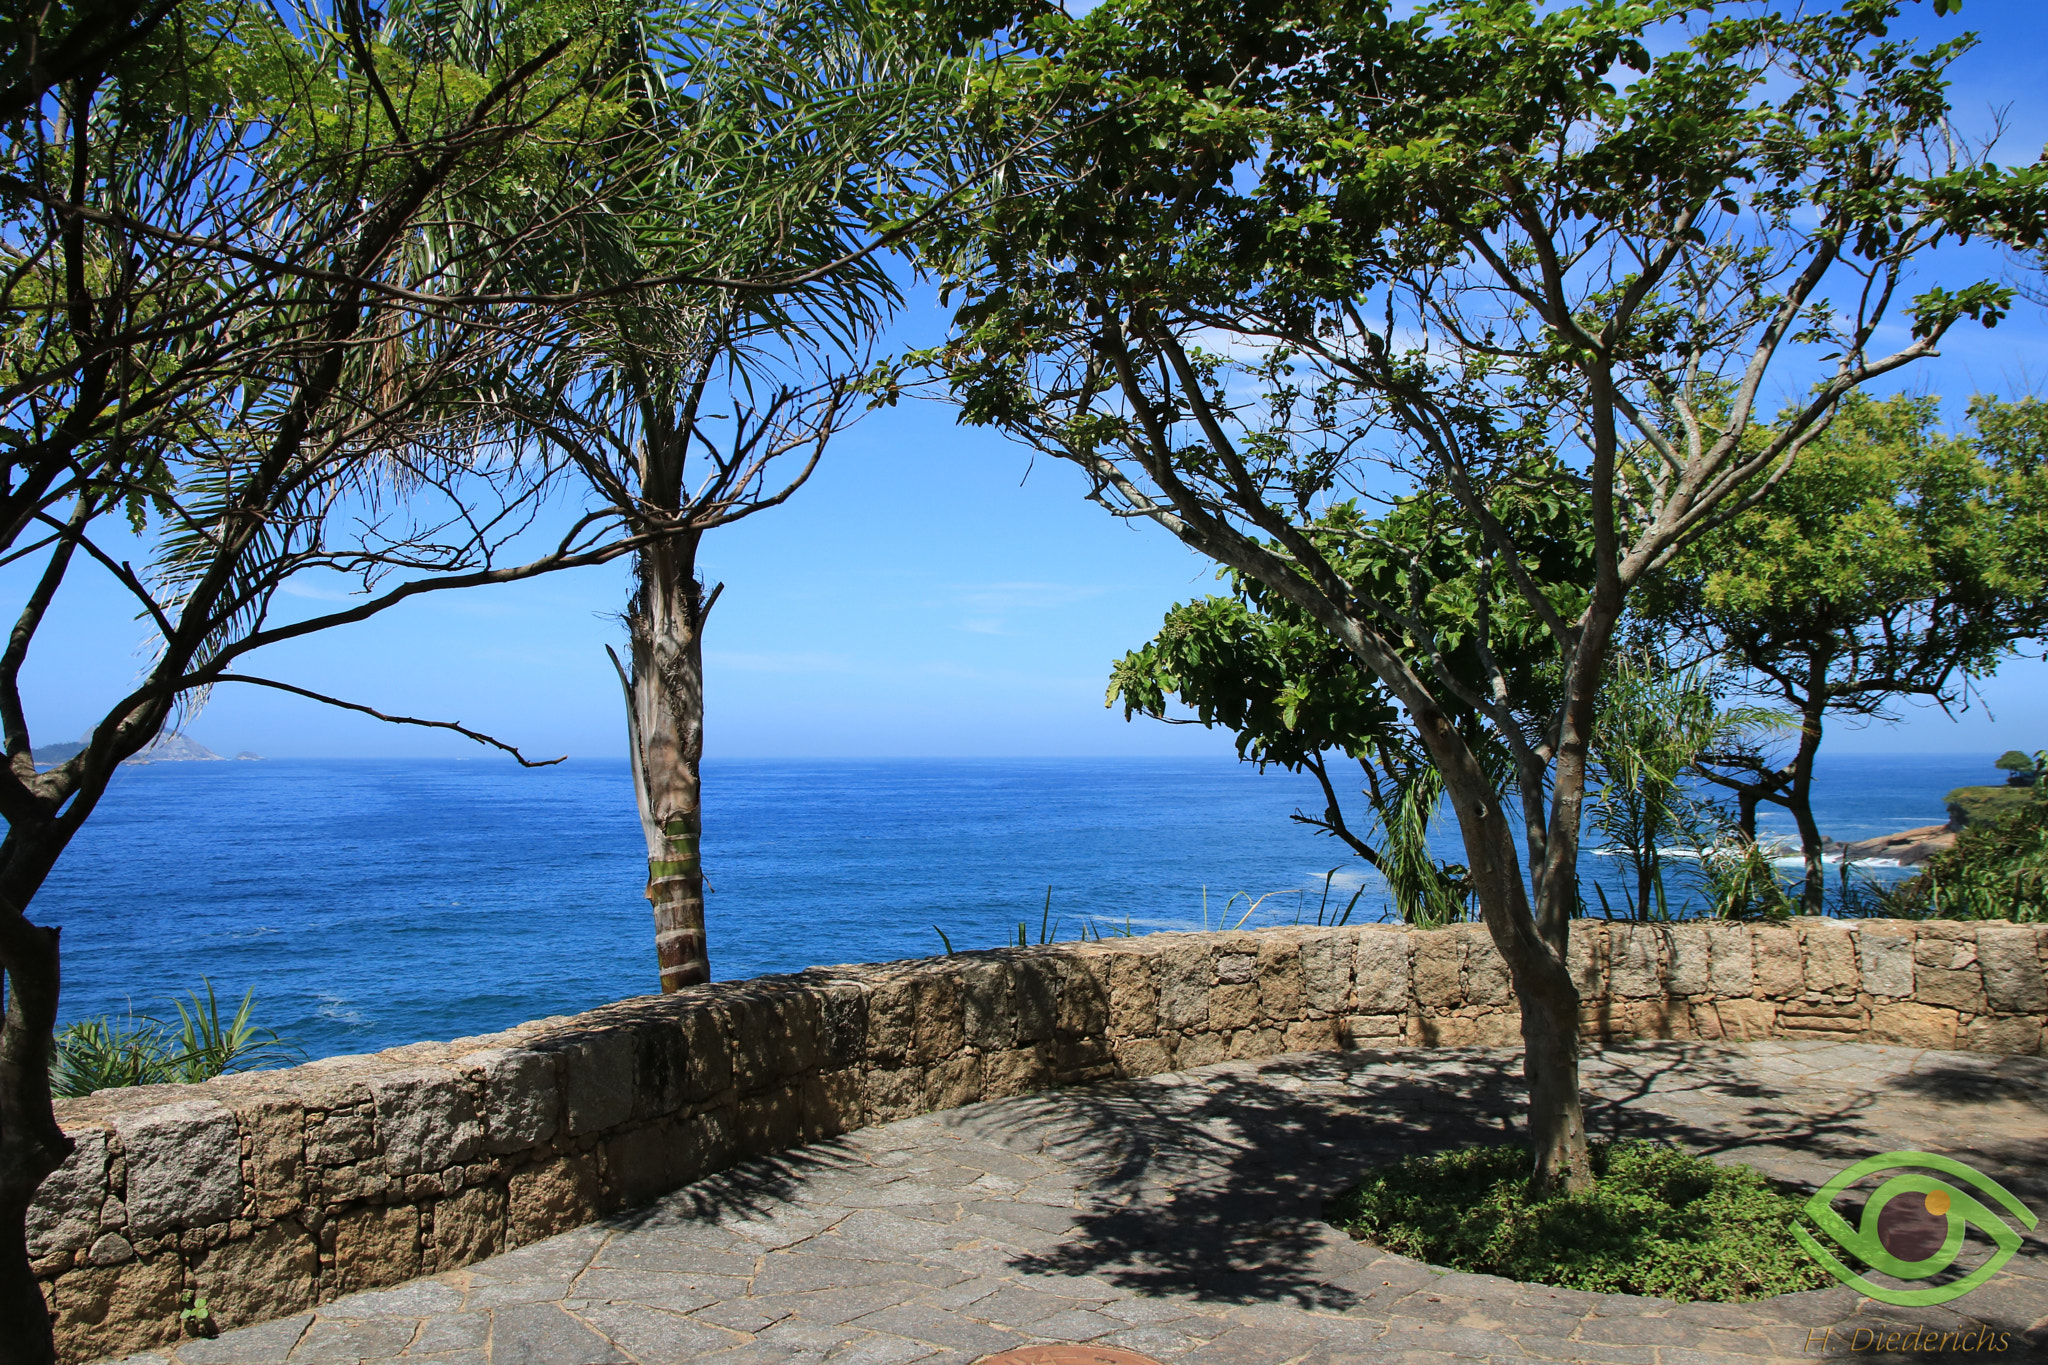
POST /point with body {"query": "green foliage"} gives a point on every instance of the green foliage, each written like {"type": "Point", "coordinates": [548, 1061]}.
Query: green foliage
{"type": "Point", "coordinates": [1741, 883]}
{"type": "Point", "coordinates": [1995, 871]}
{"type": "Point", "coordinates": [1257, 665]}
{"type": "Point", "coordinates": [99, 1054]}
{"type": "Point", "coordinates": [1970, 807]}
{"type": "Point", "coordinates": [1657, 1222]}
{"type": "Point", "coordinates": [2016, 761]}
{"type": "Point", "coordinates": [1652, 724]}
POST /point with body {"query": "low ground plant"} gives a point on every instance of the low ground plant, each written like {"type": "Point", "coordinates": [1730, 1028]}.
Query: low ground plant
{"type": "Point", "coordinates": [1657, 1221]}
{"type": "Point", "coordinates": [102, 1054]}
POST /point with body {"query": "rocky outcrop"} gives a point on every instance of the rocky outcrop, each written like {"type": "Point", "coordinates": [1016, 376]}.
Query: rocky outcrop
{"type": "Point", "coordinates": [1907, 848]}
{"type": "Point", "coordinates": [269, 1192]}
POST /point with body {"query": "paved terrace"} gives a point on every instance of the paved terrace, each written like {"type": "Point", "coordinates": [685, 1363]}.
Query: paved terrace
{"type": "Point", "coordinates": [1178, 1217]}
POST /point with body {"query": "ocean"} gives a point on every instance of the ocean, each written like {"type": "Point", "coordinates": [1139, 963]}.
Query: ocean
{"type": "Point", "coordinates": [370, 903]}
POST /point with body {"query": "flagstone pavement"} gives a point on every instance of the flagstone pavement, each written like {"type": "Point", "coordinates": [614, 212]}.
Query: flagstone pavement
{"type": "Point", "coordinates": [1178, 1217]}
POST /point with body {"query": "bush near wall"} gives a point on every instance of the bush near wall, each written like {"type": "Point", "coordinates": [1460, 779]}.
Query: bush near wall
{"type": "Point", "coordinates": [269, 1192]}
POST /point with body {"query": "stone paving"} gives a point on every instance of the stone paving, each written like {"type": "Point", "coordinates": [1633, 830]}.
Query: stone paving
{"type": "Point", "coordinates": [1178, 1216]}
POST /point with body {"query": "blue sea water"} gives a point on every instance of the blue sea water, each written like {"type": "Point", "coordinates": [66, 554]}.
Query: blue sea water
{"type": "Point", "coordinates": [371, 903]}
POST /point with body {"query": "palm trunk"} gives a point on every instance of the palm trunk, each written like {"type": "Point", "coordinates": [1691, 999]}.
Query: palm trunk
{"type": "Point", "coordinates": [665, 732]}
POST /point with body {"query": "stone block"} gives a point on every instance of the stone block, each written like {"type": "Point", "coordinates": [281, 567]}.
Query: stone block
{"type": "Point", "coordinates": [65, 1216]}
{"type": "Point", "coordinates": [2011, 965]}
{"type": "Point", "coordinates": [1487, 981]}
{"type": "Point", "coordinates": [1083, 994]}
{"type": "Point", "coordinates": [549, 1197]}
{"type": "Point", "coordinates": [1236, 969]}
{"type": "Point", "coordinates": [650, 1161]}
{"type": "Point", "coordinates": [1281, 990]}
{"type": "Point", "coordinates": [891, 1014]}
{"type": "Point", "coordinates": [1780, 970]}
{"type": "Point", "coordinates": [1831, 967]}
{"type": "Point", "coordinates": [2010, 1034]}
{"type": "Point", "coordinates": [1181, 977]}
{"type": "Point", "coordinates": [1585, 958]}
{"type": "Point", "coordinates": [1134, 1057]}
{"type": "Point", "coordinates": [1312, 1035]}
{"type": "Point", "coordinates": [1884, 956]}
{"type": "Point", "coordinates": [1200, 1049]}
{"type": "Point", "coordinates": [1808, 1019]}
{"type": "Point", "coordinates": [1648, 1019]}
{"type": "Point", "coordinates": [1034, 995]}
{"type": "Point", "coordinates": [373, 1246]}
{"type": "Point", "coordinates": [842, 1023]}
{"type": "Point", "coordinates": [521, 1100]}
{"type": "Point", "coordinates": [1325, 957]}
{"type": "Point", "coordinates": [1499, 1029]}
{"type": "Point", "coordinates": [1945, 971]}
{"type": "Point", "coordinates": [746, 1017]}
{"type": "Point", "coordinates": [1257, 1042]}
{"type": "Point", "coordinates": [1635, 961]}
{"type": "Point", "coordinates": [1382, 971]}
{"type": "Point", "coordinates": [268, 1274]}
{"type": "Point", "coordinates": [1370, 1030]}
{"type": "Point", "coordinates": [709, 1051]}
{"type": "Point", "coordinates": [341, 1138]}
{"type": "Point", "coordinates": [832, 1104]}
{"type": "Point", "coordinates": [467, 1228]}
{"type": "Point", "coordinates": [425, 1120]}
{"type": "Point", "coordinates": [1077, 1061]}
{"type": "Point", "coordinates": [890, 1095]}
{"type": "Point", "coordinates": [1133, 1005]}
{"type": "Point", "coordinates": [1735, 1020]}
{"type": "Point", "coordinates": [769, 1120]}
{"type": "Point", "coordinates": [595, 1069]}
{"type": "Point", "coordinates": [1731, 959]}
{"type": "Point", "coordinates": [1911, 1024]}
{"type": "Point", "coordinates": [1687, 965]}
{"type": "Point", "coordinates": [1015, 1072]}
{"type": "Point", "coordinates": [184, 1165]}
{"type": "Point", "coordinates": [661, 1065]}
{"type": "Point", "coordinates": [939, 1029]}
{"type": "Point", "coordinates": [273, 1155]}
{"type": "Point", "coordinates": [1234, 1006]}
{"type": "Point", "coordinates": [101, 1311]}
{"type": "Point", "coordinates": [990, 1023]}
{"type": "Point", "coordinates": [952, 1083]}
{"type": "Point", "coordinates": [1439, 970]}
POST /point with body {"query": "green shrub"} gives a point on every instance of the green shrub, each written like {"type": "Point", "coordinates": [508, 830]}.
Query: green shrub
{"type": "Point", "coordinates": [1657, 1221]}
{"type": "Point", "coordinates": [1996, 871]}
{"type": "Point", "coordinates": [99, 1054]}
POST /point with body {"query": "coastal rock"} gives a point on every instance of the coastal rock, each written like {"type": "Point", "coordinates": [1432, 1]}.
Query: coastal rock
{"type": "Point", "coordinates": [1908, 848]}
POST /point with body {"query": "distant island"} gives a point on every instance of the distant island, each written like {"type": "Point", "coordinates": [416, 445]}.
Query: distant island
{"type": "Point", "coordinates": [168, 749]}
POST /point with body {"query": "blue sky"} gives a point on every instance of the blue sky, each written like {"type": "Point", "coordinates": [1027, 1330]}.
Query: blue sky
{"type": "Point", "coordinates": [921, 596]}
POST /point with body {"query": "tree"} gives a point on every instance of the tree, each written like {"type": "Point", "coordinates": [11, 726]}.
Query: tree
{"type": "Point", "coordinates": [788, 148]}
{"type": "Point", "coordinates": [1297, 254]}
{"type": "Point", "coordinates": [241, 348]}
{"type": "Point", "coordinates": [1261, 668]}
{"type": "Point", "coordinates": [1890, 564]}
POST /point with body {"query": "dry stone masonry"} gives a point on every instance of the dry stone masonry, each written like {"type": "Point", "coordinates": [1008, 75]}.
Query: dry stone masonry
{"type": "Point", "coordinates": [269, 1192]}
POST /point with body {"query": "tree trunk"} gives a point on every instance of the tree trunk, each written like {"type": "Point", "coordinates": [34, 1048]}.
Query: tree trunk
{"type": "Point", "coordinates": [665, 732]}
{"type": "Point", "coordinates": [31, 1143]}
{"type": "Point", "coordinates": [1561, 1156]}
{"type": "Point", "coordinates": [1799, 798]}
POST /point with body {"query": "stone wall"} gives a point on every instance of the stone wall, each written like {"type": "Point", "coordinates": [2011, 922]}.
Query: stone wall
{"type": "Point", "coordinates": [268, 1192]}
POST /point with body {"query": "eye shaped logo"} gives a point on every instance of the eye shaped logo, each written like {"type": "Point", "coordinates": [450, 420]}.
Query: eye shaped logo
{"type": "Point", "coordinates": [1914, 1226]}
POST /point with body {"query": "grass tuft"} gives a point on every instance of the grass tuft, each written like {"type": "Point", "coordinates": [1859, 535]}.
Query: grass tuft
{"type": "Point", "coordinates": [1657, 1222]}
